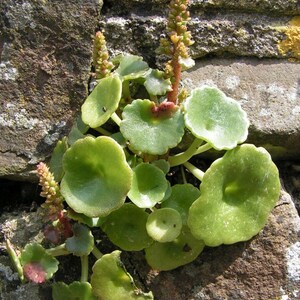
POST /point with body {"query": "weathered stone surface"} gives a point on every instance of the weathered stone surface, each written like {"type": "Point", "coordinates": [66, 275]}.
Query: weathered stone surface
{"type": "Point", "coordinates": [266, 267]}
{"type": "Point", "coordinates": [289, 7]}
{"type": "Point", "coordinates": [269, 91]}
{"type": "Point", "coordinates": [236, 29]}
{"type": "Point", "coordinates": [45, 50]}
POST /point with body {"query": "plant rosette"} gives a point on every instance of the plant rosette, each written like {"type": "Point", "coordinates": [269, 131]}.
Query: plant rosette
{"type": "Point", "coordinates": [114, 172]}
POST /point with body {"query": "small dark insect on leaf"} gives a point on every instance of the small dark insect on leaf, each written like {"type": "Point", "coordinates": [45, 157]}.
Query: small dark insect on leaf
{"type": "Point", "coordinates": [104, 109]}
{"type": "Point", "coordinates": [186, 248]}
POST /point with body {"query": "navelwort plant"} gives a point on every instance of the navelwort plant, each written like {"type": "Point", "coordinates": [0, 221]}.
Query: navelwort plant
{"type": "Point", "coordinates": [113, 168]}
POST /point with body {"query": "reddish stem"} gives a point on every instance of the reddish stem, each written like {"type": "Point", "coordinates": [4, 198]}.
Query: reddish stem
{"type": "Point", "coordinates": [173, 95]}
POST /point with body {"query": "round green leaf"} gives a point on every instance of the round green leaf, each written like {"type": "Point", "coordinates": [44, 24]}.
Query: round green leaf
{"type": "Point", "coordinates": [75, 291]}
{"type": "Point", "coordinates": [82, 241]}
{"type": "Point", "coordinates": [102, 102]}
{"type": "Point", "coordinates": [156, 84]}
{"type": "Point", "coordinates": [149, 185]}
{"type": "Point", "coordinates": [37, 264]}
{"type": "Point", "coordinates": [214, 117]}
{"type": "Point", "coordinates": [110, 280]}
{"type": "Point", "coordinates": [182, 197]}
{"type": "Point", "coordinates": [97, 177]}
{"type": "Point", "coordinates": [132, 67]}
{"type": "Point", "coordinates": [238, 192]}
{"type": "Point", "coordinates": [150, 131]}
{"type": "Point", "coordinates": [181, 251]}
{"type": "Point", "coordinates": [164, 225]}
{"type": "Point", "coordinates": [126, 228]}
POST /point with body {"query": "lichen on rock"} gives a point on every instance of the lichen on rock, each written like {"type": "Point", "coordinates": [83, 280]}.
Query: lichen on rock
{"type": "Point", "coordinates": [290, 46]}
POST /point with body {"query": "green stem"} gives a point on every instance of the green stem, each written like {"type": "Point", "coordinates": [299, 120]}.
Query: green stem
{"type": "Point", "coordinates": [84, 268]}
{"type": "Point", "coordinates": [194, 170]}
{"type": "Point", "coordinates": [15, 259]}
{"type": "Point", "coordinates": [183, 157]}
{"type": "Point", "coordinates": [116, 119]}
{"type": "Point", "coordinates": [96, 252]}
{"type": "Point", "coordinates": [203, 148]}
{"type": "Point", "coordinates": [183, 175]}
{"type": "Point", "coordinates": [102, 131]}
{"type": "Point", "coordinates": [58, 251]}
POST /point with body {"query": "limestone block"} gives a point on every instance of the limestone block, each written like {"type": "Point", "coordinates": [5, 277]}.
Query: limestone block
{"type": "Point", "coordinates": [268, 90]}
{"type": "Point", "coordinates": [45, 54]}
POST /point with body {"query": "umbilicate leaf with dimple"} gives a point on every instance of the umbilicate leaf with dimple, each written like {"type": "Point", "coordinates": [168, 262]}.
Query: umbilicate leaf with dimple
{"type": "Point", "coordinates": [110, 280]}
{"type": "Point", "coordinates": [212, 116]}
{"type": "Point", "coordinates": [238, 192]}
{"type": "Point", "coordinates": [149, 185]}
{"type": "Point", "coordinates": [149, 131]}
{"type": "Point", "coordinates": [97, 177]}
{"type": "Point", "coordinates": [102, 102]}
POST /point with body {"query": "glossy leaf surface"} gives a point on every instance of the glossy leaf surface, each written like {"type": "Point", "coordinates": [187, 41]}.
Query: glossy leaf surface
{"type": "Point", "coordinates": [181, 251]}
{"type": "Point", "coordinates": [126, 228]}
{"type": "Point", "coordinates": [110, 280]}
{"type": "Point", "coordinates": [214, 117]}
{"type": "Point", "coordinates": [102, 102]}
{"type": "Point", "coordinates": [149, 185]}
{"type": "Point", "coordinates": [151, 132]}
{"type": "Point", "coordinates": [238, 192]}
{"type": "Point", "coordinates": [97, 177]}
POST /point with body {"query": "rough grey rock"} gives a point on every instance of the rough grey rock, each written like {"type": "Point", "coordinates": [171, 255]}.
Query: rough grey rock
{"type": "Point", "coordinates": [268, 90]}
{"type": "Point", "coordinates": [45, 54]}
{"type": "Point", "coordinates": [288, 7]}
{"type": "Point", "coordinates": [218, 27]}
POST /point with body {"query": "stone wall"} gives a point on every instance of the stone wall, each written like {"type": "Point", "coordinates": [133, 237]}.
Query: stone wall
{"type": "Point", "coordinates": [250, 49]}
{"type": "Point", "coordinates": [45, 54]}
